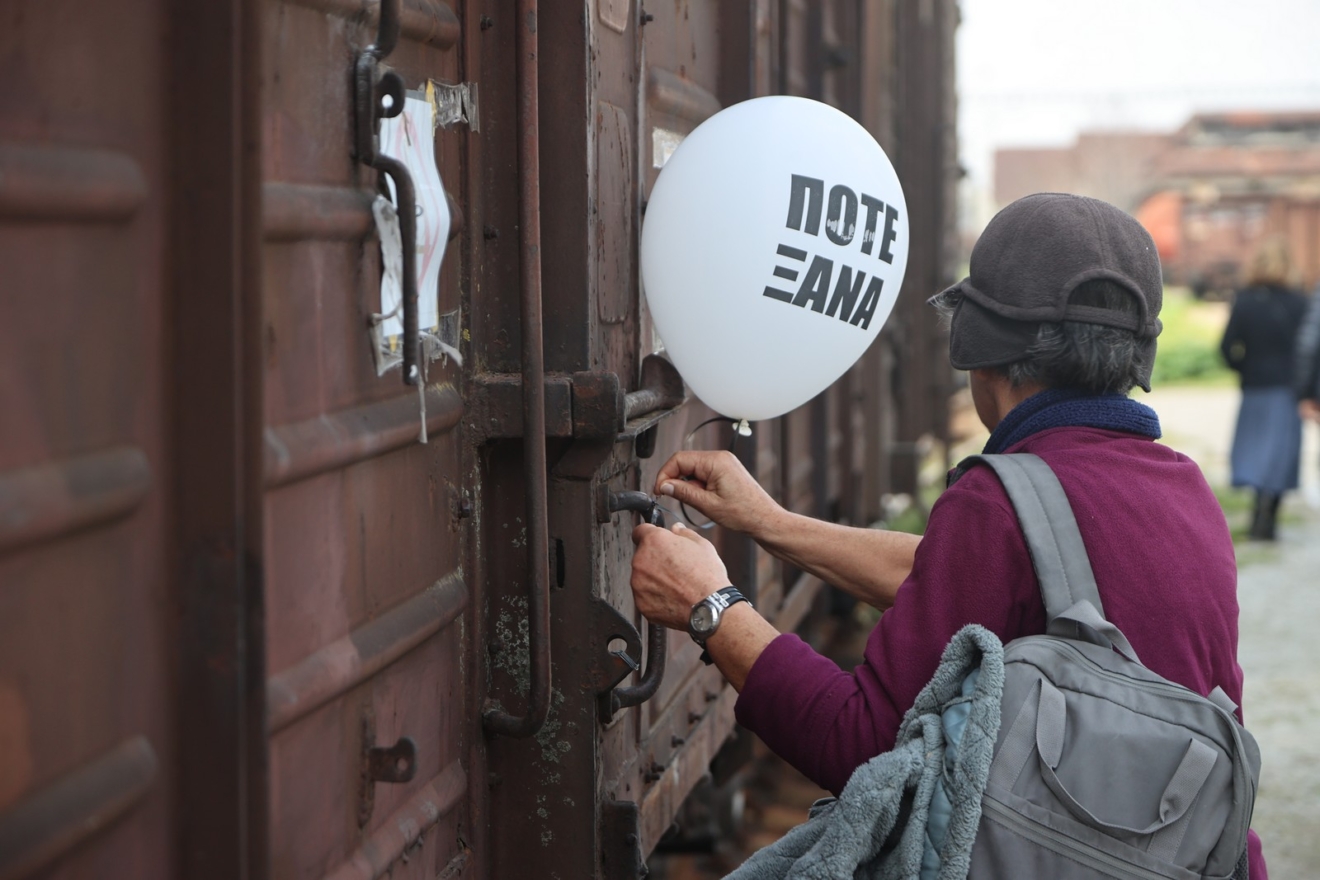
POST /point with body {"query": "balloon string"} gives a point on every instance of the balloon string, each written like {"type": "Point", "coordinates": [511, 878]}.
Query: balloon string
{"type": "Point", "coordinates": [740, 428]}
{"type": "Point", "coordinates": [684, 516]}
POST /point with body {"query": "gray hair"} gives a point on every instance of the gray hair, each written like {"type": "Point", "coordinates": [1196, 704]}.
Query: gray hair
{"type": "Point", "coordinates": [1075, 354]}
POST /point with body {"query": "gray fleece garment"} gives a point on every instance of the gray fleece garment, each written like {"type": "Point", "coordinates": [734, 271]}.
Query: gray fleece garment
{"type": "Point", "coordinates": [941, 760]}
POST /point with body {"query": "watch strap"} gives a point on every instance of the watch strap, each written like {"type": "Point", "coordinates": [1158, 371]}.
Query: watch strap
{"type": "Point", "coordinates": [727, 596]}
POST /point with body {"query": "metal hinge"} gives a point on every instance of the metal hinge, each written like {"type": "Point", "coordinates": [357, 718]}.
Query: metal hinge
{"type": "Point", "coordinates": [584, 406]}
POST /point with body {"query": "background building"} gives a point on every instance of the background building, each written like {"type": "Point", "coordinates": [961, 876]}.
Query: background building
{"type": "Point", "coordinates": [1209, 192]}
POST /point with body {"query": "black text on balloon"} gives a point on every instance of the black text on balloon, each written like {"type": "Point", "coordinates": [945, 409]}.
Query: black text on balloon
{"type": "Point", "coordinates": [807, 197]}
{"type": "Point", "coordinates": [814, 291]}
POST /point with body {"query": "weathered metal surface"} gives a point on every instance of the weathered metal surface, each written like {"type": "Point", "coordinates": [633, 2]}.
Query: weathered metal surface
{"type": "Point", "coordinates": [94, 595]}
{"type": "Point", "coordinates": [405, 829]}
{"type": "Point", "coordinates": [427, 21]}
{"type": "Point", "coordinates": [301, 211]}
{"type": "Point", "coordinates": [334, 440]}
{"type": "Point", "coordinates": [217, 396]}
{"type": "Point", "coordinates": [927, 159]}
{"type": "Point", "coordinates": [661, 387]}
{"type": "Point", "coordinates": [394, 764]}
{"type": "Point", "coordinates": [687, 765]}
{"type": "Point", "coordinates": [53, 500]}
{"type": "Point", "coordinates": [657, 642]}
{"type": "Point", "coordinates": [346, 663]}
{"type": "Point", "coordinates": [498, 721]}
{"type": "Point", "coordinates": [606, 626]}
{"type": "Point", "coordinates": [215, 468]}
{"type": "Point", "coordinates": [599, 406]}
{"type": "Point", "coordinates": [81, 804]}
{"type": "Point", "coordinates": [42, 181]}
{"type": "Point", "coordinates": [621, 841]}
{"type": "Point", "coordinates": [495, 406]}
{"type": "Point", "coordinates": [368, 597]}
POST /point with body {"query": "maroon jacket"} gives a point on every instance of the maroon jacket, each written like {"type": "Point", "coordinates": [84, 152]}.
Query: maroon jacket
{"type": "Point", "coordinates": [1163, 562]}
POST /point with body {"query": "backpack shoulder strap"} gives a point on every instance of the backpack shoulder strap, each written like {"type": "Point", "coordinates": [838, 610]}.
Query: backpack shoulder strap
{"type": "Point", "coordinates": [1057, 551]}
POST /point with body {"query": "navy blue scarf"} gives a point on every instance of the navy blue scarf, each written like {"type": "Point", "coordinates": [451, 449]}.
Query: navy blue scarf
{"type": "Point", "coordinates": [1060, 408]}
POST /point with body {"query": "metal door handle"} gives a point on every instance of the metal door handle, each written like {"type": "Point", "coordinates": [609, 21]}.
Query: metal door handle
{"type": "Point", "coordinates": [656, 637]}
{"type": "Point", "coordinates": [372, 85]}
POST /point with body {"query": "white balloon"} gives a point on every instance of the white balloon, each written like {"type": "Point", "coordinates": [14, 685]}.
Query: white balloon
{"type": "Point", "coordinates": [773, 250]}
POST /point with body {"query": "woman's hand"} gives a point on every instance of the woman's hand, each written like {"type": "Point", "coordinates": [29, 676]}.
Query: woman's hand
{"type": "Point", "coordinates": [1309, 409]}
{"type": "Point", "coordinates": [717, 484]}
{"type": "Point", "coordinates": [672, 571]}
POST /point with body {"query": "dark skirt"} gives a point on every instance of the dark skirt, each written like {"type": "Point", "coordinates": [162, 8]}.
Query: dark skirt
{"type": "Point", "coordinates": [1267, 445]}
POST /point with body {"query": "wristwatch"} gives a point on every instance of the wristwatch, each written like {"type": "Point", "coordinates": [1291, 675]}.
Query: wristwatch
{"type": "Point", "coordinates": [706, 615]}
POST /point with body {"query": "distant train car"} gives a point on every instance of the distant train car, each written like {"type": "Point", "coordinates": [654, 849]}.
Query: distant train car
{"type": "Point", "coordinates": [310, 569]}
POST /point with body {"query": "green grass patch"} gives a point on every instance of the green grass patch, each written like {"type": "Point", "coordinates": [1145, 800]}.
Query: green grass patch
{"type": "Point", "coordinates": [1236, 504]}
{"type": "Point", "coordinates": [912, 520]}
{"type": "Point", "coordinates": [1188, 350]}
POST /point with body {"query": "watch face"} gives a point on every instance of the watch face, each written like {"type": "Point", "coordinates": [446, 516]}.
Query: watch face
{"type": "Point", "coordinates": [703, 619]}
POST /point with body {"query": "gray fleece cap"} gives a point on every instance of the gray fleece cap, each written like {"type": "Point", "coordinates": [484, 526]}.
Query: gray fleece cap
{"type": "Point", "coordinates": [1031, 256]}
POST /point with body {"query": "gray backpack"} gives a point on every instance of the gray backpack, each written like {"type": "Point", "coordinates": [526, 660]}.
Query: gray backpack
{"type": "Point", "coordinates": [1102, 768]}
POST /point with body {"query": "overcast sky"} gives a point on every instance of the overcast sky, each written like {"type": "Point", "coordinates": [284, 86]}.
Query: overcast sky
{"type": "Point", "coordinates": [1035, 72]}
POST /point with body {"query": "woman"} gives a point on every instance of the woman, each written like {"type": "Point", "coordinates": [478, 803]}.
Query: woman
{"type": "Point", "coordinates": [1056, 324]}
{"type": "Point", "coordinates": [1258, 343]}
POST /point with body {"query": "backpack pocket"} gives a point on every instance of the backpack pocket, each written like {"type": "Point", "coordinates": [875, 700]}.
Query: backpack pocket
{"type": "Point", "coordinates": [1119, 759]}
{"type": "Point", "coordinates": [1017, 838]}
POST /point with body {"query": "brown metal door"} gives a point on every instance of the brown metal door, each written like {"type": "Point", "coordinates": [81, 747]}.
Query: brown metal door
{"type": "Point", "coordinates": [249, 621]}
{"type": "Point", "coordinates": [629, 84]}
{"type": "Point", "coordinates": [374, 752]}
{"type": "Point", "coordinates": [128, 576]}
{"type": "Point", "coordinates": [85, 623]}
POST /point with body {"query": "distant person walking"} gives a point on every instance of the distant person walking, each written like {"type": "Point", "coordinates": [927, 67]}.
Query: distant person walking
{"type": "Point", "coordinates": [1259, 343]}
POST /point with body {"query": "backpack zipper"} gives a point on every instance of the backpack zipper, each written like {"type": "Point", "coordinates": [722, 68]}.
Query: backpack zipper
{"type": "Point", "coordinates": [1066, 846]}
{"type": "Point", "coordinates": [1168, 689]}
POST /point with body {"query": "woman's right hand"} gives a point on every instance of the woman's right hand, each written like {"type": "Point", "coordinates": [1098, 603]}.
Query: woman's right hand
{"type": "Point", "coordinates": [717, 484]}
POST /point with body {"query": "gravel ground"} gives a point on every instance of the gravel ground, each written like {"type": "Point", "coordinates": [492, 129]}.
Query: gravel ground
{"type": "Point", "coordinates": [1279, 592]}
{"type": "Point", "coordinates": [1279, 641]}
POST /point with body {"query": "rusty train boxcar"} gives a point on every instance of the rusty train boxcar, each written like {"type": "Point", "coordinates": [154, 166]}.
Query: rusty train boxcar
{"type": "Point", "coordinates": [250, 626]}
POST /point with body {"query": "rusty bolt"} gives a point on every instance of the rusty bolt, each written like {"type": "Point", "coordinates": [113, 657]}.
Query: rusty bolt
{"type": "Point", "coordinates": [490, 233]}
{"type": "Point", "coordinates": [463, 509]}
{"type": "Point", "coordinates": [647, 18]}
{"type": "Point", "coordinates": [657, 770]}
{"type": "Point", "coordinates": [676, 740]}
{"type": "Point", "coordinates": [694, 717]}
{"type": "Point", "coordinates": [487, 22]}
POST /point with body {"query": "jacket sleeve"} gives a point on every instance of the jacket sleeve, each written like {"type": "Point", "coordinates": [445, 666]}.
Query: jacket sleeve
{"type": "Point", "coordinates": [1306, 374]}
{"type": "Point", "coordinates": [1231, 346]}
{"type": "Point", "coordinates": [825, 721]}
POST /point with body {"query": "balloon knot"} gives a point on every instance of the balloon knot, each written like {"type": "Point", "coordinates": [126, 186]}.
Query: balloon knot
{"type": "Point", "coordinates": [743, 428]}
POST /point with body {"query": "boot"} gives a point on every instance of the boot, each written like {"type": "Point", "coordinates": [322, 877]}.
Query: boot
{"type": "Point", "coordinates": [1264, 516]}
{"type": "Point", "coordinates": [1272, 516]}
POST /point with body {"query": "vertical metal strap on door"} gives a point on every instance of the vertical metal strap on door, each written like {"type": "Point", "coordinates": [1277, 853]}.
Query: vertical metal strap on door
{"type": "Point", "coordinates": [533, 390]}
{"type": "Point", "coordinates": [372, 86]}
